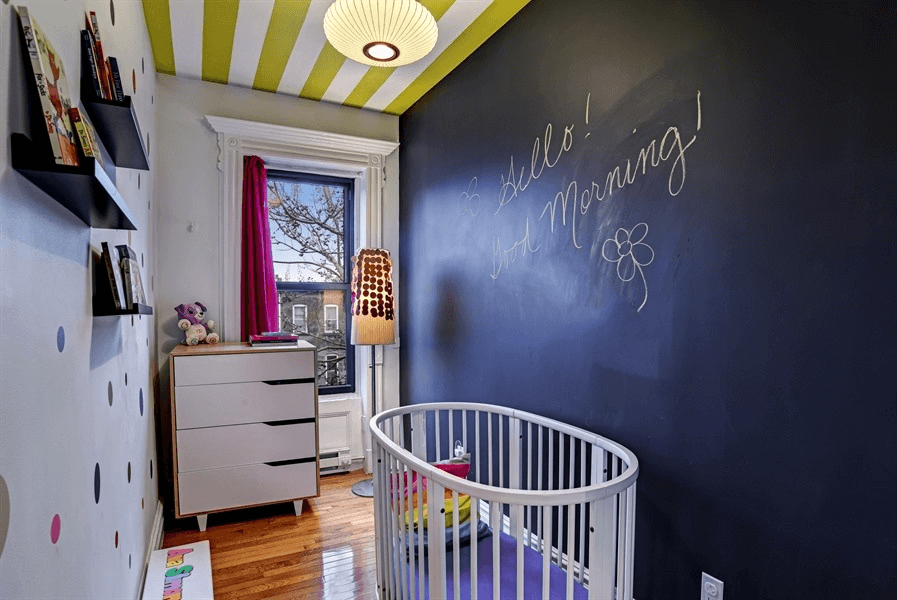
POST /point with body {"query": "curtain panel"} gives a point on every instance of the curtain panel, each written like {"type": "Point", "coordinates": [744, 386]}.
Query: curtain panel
{"type": "Point", "coordinates": [259, 304]}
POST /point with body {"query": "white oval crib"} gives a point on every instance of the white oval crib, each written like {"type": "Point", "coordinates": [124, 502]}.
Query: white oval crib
{"type": "Point", "coordinates": [546, 510]}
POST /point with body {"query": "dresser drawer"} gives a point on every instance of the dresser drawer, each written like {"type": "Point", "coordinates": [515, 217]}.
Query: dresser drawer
{"type": "Point", "coordinates": [236, 368]}
{"type": "Point", "coordinates": [233, 445]}
{"type": "Point", "coordinates": [236, 403]}
{"type": "Point", "coordinates": [205, 491]}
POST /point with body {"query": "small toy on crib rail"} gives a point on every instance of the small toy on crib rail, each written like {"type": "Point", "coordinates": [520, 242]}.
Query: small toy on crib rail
{"type": "Point", "coordinates": [195, 330]}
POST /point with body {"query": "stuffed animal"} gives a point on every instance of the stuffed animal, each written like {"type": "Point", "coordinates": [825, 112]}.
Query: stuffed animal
{"type": "Point", "coordinates": [195, 330]}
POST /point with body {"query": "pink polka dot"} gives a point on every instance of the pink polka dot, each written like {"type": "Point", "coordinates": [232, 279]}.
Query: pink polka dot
{"type": "Point", "coordinates": [55, 526]}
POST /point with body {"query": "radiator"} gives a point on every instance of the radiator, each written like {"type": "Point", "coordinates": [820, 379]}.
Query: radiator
{"type": "Point", "coordinates": [335, 461]}
{"type": "Point", "coordinates": [333, 440]}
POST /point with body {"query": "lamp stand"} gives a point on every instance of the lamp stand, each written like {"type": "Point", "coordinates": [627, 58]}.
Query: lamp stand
{"type": "Point", "coordinates": [365, 488]}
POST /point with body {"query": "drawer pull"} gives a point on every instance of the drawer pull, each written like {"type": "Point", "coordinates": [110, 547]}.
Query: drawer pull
{"type": "Point", "coordinates": [289, 422]}
{"type": "Point", "coordinates": [289, 381]}
{"type": "Point", "coordinates": [295, 461]}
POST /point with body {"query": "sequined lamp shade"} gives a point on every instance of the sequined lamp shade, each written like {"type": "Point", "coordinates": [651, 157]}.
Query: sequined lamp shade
{"type": "Point", "coordinates": [373, 304]}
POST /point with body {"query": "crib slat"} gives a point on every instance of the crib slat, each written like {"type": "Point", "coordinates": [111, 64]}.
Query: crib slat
{"type": "Point", "coordinates": [420, 537]}
{"type": "Point", "coordinates": [621, 539]}
{"type": "Point", "coordinates": [602, 578]}
{"type": "Point", "coordinates": [456, 547]}
{"type": "Point", "coordinates": [495, 517]}
{"type": "Point", "coordinates": [570, 462]}
{"type": "Point", "coordinates": [540, 510]}
{"type": "Point", "coordinates": [594, 561]}
{"type": "Point", "coordinates": [399, 529]}
{"type": "Point", "coordinates": [630, 543]}
{"type": "Point", "coordinates": [464, 440]}
{"type": "Point", "coordinates": [408, 508]}
{"type": "Point", "coordinates": [436, 538]}
{"type": "Point", "coordinates": [581, 509]}
{"type": "Point", "coordinates": [518, 533]}
{"type": "Point", "coordinates": [438, 437]}
{"type": "Point", "coordinates": [502, 451]}
{"type": "Point", "coordinates": [380, 534]}
{"type": "Point", "coordinates": [476, 451]}
{"type": "Point", "coordinates": [489, 446]}
{"type": "Point", "coordinates": [571, 524]}
{"type": "Point", "coordinates": [386, 479]}
{"type": "Point", "coordinates": [546, 551]}
{"type": "Point", "coordinates": [474, 565]}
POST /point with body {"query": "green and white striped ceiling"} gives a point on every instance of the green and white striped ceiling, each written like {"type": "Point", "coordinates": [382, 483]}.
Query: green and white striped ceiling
{"type": "Point", "coordinates": [279, 46]}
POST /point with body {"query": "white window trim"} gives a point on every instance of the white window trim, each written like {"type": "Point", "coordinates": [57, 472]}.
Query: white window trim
{"type": "Point", "coordinates": [336, 310]}
{"type": "Point", "coordinates": [304, 317]}
{"type": "Point", "coordinates": [321, 152]}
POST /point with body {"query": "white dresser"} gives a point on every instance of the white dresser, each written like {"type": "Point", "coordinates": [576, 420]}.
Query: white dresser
{"type": "Point", "coordinates": [245, 427]}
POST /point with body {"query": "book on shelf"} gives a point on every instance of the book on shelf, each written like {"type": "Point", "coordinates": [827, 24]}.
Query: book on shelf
{"type": "Point", "coordinates": [49, 76]}
{"type": "Point", "coordinates": [87, 136]}
{"type": "Point", "coordinates": [89, 69]}
{"type": "Point", "coordinates": [115, 278]}
{"type": "Point", "coordinates": [116, 79]}
{"type": "Point", "coordinates": [84, 140]}
{"type": "Point", "coordinates": [93, 29]}
{"type": "Point", "coordinates": [130, 270]}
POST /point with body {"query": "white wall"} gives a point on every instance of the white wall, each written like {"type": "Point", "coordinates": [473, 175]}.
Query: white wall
{"type": "Point", "coordinates": [188, 193]}
{"type": "Point", "coordinates": [76, 392]}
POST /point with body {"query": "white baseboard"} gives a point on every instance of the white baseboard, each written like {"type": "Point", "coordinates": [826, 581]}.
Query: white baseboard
{"type": "Point", "coordinates": [154, 541]}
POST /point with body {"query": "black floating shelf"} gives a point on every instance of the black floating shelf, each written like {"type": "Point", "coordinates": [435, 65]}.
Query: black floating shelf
{"type": "Point", "coordinates": [85, 190]}
{"type": "Point", "coordinates": [116, 124]}
{"type": "Point", "coordinates": [139, 309]}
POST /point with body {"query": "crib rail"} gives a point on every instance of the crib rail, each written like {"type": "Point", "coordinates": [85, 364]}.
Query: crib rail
{"type": "Point", "coordinates": [547, 490]}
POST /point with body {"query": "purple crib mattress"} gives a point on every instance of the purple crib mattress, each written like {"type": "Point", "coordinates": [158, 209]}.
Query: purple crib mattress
{"type": "Point", "coordinates": [532, 574]}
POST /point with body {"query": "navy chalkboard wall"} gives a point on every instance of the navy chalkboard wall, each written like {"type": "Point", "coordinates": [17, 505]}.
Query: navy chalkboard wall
{"type": "Point", "coordinates": [718, 293]}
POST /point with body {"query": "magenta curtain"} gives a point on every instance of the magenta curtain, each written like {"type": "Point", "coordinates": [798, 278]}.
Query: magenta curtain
{"type": "Point", "coordinates": [257, 285]}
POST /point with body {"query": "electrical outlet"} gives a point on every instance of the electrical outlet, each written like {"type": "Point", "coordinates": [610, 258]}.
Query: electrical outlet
{"type": "Point", "coordinates": [711, 588]}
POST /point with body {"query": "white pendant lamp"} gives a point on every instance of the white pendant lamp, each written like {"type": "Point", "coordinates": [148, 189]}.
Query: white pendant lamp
{"type": "Point", "coordinates": [381, 33]}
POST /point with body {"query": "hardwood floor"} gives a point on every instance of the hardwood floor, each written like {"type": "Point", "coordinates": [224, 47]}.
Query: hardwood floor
{"type": "Point", "coordinates": [268, 552]}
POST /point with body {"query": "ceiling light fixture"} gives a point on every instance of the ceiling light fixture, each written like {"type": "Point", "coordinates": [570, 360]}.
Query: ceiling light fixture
{"type": "Point", "coordinates": [381, 33]}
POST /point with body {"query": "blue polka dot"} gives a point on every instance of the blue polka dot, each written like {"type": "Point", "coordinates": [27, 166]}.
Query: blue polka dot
{"type": "Point", "coordinates": [96, 483]}
{"type": "Point", "coordinates": [60, 338]}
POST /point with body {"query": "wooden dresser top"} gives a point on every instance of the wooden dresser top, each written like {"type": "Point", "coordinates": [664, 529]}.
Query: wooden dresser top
{"type": "Point", "coordinates": [235, 348]}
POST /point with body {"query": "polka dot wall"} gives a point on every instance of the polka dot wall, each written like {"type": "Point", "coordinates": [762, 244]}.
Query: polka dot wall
{"type": "Point", "coordinates": [78, 455]}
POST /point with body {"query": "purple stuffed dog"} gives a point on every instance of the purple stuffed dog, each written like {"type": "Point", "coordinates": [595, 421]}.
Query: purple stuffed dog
{"type": "Point", "coordinates": [195, 330]}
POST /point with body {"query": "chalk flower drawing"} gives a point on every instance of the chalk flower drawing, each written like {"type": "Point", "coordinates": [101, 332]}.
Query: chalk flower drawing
{"type": "Point", "coordinates": [631, 253]}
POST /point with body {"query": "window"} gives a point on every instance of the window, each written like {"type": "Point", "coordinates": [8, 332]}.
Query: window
{"type": "Point", "coordinates": [331, 318]}
{"type": "Point", "coordinates": [311, 241]}
{"type": "Point", "coordinates": [300, 314]}
{"type": "Point", "coordinates": [331, 372]}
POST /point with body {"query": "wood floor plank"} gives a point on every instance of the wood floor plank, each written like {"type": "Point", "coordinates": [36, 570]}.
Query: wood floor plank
{"type": "Point", "coordinates": [268, 553]}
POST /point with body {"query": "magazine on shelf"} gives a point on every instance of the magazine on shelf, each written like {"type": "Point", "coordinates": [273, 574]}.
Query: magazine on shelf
{"type": "Point", "coordinates": [130, 270]}
{"type": "Point", "coordinates": [115, 278]}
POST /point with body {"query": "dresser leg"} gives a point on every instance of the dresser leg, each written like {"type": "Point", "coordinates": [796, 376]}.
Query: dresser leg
{"type": "Point", "coordinates": [297, 506]}
{"type": "Point", "coordinates": [202, 520]}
